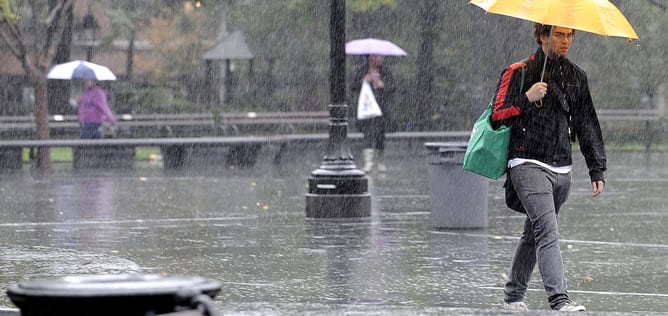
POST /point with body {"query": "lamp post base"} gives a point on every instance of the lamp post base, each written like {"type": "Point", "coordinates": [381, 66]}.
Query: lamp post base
{"type": "Point", "coordinates": [338, 191]}
{"type": "Point", "coordinates": [338, 188]}
{"type": "Point", "coordinates": [338, 205]}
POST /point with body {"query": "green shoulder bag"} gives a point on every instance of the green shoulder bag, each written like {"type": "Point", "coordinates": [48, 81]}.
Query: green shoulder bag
{"type": "Point", "coordinates": [487, 150]}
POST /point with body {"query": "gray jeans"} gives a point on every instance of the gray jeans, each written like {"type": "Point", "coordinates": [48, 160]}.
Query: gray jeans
{"type": "Point", "coordinates": [542, 192]}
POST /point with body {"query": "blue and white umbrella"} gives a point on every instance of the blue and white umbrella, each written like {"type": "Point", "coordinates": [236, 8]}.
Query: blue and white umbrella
{"type": "Point", "coordinates": [80, 69]}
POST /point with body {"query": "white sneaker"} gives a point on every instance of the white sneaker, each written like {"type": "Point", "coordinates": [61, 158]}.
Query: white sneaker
{"type": "Point", "coordinates": [572, 307]}
{"type": "Point", "coordinates": [516, 306]}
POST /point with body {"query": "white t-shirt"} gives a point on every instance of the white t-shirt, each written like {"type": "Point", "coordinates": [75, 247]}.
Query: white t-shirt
{"type": "Point", "coordinates": [518, 161]}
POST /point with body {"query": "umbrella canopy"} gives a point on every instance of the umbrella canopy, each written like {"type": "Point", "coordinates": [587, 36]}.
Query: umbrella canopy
{"type": "Point", "coordinates": [595, 16]}
{"type": "Point", "coordinates": [373, 46]}
{"type": "Point", "coordinates": [79, 69]}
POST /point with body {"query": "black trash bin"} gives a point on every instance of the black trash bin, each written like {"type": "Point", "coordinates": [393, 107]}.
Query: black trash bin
{"type": "Point", "coordinates": [458, 197]}
{"type": "Point", "coordinates": [107, 295]}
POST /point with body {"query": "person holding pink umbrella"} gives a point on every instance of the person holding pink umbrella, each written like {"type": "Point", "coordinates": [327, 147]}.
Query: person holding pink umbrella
{"type": "Point", "coordinates": [382, 82]}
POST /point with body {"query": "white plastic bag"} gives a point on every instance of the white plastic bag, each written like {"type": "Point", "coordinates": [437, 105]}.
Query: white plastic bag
{"type": "Point", "coordinates": [367, 106]}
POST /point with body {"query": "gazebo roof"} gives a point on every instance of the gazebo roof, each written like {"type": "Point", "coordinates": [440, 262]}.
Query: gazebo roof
{"type": "Point", "coordinates": [231, 47]}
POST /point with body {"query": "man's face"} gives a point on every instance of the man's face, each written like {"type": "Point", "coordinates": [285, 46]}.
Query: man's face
{"type": "Point", "coordinates": [560, 41]}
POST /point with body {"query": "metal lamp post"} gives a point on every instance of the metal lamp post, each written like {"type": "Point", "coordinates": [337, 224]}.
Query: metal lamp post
{"type": "Point", "coordinates": [338, 189]}
{"type": "Point", "coordinates": [89, 28]}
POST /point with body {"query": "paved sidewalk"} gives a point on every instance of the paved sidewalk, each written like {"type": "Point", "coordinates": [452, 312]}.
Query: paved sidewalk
{"type": "Point", "coordinates": [247, 229]}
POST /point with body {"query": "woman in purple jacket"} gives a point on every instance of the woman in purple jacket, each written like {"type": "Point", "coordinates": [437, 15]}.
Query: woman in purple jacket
{"type": "Point", "coordinates": [93, 110]}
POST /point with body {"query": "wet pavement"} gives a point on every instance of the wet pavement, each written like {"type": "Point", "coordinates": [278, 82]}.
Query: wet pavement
{"type": "Point", "coordinates": [247, 229]}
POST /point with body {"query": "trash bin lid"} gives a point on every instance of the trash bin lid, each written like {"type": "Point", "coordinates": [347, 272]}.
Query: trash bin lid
{"type": "Point", "coordinates": [446, 146]}
{"type": "Point", "coordinates": [110, 295]}
{"type": "Point", "coordinates": [112, 285]}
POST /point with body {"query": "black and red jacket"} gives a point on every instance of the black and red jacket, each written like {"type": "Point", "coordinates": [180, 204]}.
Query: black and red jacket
{"type": "Point", "coordinates": [567, 113]}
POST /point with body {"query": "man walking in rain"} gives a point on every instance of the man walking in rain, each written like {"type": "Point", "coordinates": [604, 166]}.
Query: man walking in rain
{"type": "Point", "coordinates": [554, 109]}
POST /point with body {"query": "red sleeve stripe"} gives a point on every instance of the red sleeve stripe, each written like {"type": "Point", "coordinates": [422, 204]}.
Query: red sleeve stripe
{"type": "Point", "coordinates": [498, 113]}
{"type": "Point", "coordinates": [506, 113]}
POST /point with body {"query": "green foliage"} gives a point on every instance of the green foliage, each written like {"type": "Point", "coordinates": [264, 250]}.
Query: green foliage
{"type": "Point", "coordinates": [58, 154]}
{"type": "Point", "coordinates": [131, 99]}
{"type": "Point", "coordinates": [624, 75]}
{"type": "Point", "coordinates": [366, 5]}
{"type": "Point", "coordinates": [290, 44]}
{"type": "Point", "coordinates": [6, 13]}
{"type": "Point", "coordinates": [290, 41]}
{"type": "Point", "coordinates": [186, 24]}
{"type": "Point", "coordinates": [121, 23]}
{"type": "Point", "coordinates": [64, 154]}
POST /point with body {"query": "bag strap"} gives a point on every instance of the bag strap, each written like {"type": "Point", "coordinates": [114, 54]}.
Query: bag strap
{"type": "Point", "coordinates": [523, 64]}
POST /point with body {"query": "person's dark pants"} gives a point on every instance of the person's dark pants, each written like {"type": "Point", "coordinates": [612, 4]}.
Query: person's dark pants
{"type": "Point", "coordinates": [90, 130]}
{"type": "Point", "coordinates": [374, 133]}
{"type": "Point", "coordinates": [542, 193]}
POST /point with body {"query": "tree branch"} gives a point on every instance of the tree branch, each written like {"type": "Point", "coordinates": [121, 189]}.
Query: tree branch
{"type": "Point", "coordinates": [9, 43]}
{"type": "Point", "coordinates": [12, 36]}
{"type": "Point", "coordinates": [53, 14]}
{"type": "Point", "coordinates": [14, 29]}
{"type": "Point", "coordinates": [50, 24]}
{"type": "Point", "coordinates": [56, 25]}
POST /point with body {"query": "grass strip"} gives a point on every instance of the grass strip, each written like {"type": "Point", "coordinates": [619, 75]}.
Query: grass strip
{"type": "Point", "coordinates": [64, 154]}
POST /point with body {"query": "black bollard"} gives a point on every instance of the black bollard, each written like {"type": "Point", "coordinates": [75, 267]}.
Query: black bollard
{"type": "Point", "coordinates": [107, 295]}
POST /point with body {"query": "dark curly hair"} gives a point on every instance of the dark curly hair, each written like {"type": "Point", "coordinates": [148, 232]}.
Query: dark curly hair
{"type": "Point", "coordinates": [541, 29]}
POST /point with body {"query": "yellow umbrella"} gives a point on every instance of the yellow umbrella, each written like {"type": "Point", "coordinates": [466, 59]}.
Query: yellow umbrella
{"type": "Point", "coordinates": [595, 16]}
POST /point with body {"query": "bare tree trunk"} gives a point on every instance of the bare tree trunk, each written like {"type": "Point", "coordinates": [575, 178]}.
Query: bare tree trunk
{"type": "Point", "coordinates": [269, 84]}
{"type": "Point", "coordinates": [41, 120]}
{"type": "Point", "coordinates": [59, 90]}
{"type": "Point", "coordinates": [33, 42]}
{"type": "Point", "coordinates": [130, 57]}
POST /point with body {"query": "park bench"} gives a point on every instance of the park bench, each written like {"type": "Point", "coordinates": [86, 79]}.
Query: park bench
{"type": "Point", "coordinates": [649, 118]}
{"type": "Point", "coordinates": [177, 125]}
{"type": "Point", "coordinates": [223, 124]}
{"type": "Point", "coordinates": [177, 153]}
{"type": "Point", "coordinates": [237, 150]}
{"type": "Point", "coordinates": [628, 115]}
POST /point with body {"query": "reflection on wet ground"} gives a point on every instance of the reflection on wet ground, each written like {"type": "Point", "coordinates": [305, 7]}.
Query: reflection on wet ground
{"type": "Point", "coordinates": [247, 229]}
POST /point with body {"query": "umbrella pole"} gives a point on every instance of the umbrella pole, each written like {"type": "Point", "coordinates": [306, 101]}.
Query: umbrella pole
{"type": "Point", "coordinates": [547, 53]}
